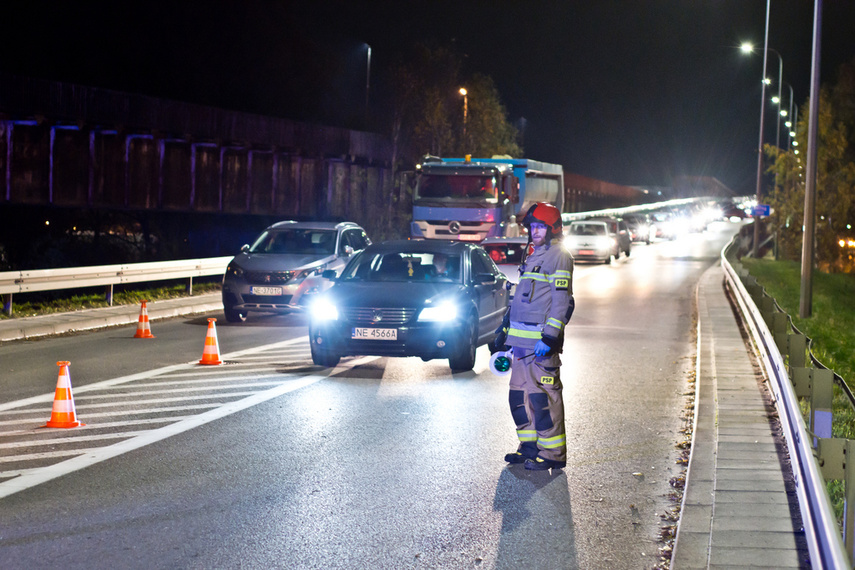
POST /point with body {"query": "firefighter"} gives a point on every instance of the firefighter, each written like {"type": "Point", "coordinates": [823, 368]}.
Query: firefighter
{"type": "Point", "coordinates": [534, 330]}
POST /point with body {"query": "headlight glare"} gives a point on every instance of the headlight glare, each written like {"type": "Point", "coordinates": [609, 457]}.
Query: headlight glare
{"type": "Point", "coordinates": [443, 312]}
{"type": "Point", "coordinates": [324, 310]}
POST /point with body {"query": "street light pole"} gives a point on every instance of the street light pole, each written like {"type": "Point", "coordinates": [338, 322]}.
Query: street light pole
{"type": "Point", "coordinates": [806, 294]}
{"type": "Point", "coordinates": [780, 82]}
{"type": "Point", "coordinates": [789, 116]}
{"type": "Point", "coordinates": [755, 250]}
{"type": "Point", "coordinates": [367, 83]}
{"type": "Point", "coordinates": [465, 94]}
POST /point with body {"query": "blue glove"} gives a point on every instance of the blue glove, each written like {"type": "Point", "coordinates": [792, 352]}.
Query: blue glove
{"type": "Point", "coordinates": [541, 348]}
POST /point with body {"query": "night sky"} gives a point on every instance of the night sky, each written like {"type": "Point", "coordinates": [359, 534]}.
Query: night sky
{"type": "Point", "coordinates": [632, 91]}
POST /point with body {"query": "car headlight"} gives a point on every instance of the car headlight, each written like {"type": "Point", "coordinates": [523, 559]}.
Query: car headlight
{"type": "Point", "coordinates": [443, 312]}
{"type": "Point", "coordinates": [324, 310]}
{"type": "Point", "coordinates": [304, 273]}
{"type": "Point", "coordinates": [234, 270]}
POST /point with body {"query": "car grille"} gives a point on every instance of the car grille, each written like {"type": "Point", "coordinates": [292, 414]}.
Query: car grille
{"type": "Point", "coordinates": [273, 277]}
{"type": "Point", "coordinates": [371, 316]}
{"type": "Point", "coordinates": [267, 299]}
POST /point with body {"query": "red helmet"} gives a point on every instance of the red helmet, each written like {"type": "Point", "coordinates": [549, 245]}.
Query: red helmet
{"type": "Point", "coordinates": [544, 213]}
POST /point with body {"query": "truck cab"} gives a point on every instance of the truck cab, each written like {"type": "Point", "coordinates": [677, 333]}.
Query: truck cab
{"type": "Point", "coordinates": [469, 199]}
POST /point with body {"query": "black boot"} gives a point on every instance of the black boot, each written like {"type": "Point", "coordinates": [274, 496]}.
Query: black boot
{"type": "Point", "coordinates": [541, 464]}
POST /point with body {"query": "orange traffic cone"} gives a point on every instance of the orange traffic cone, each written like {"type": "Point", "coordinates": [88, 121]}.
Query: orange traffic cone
{"type": "Point", "coordinates": [211, 354]}
{"type": "Point", "coordinates": [63, 414]}
{"type": "Point", "coordinates": [143, 328]}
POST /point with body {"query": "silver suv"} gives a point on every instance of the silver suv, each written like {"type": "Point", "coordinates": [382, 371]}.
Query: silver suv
{"type": "Point", "coordinates": [282, 268]}
{"type": "Point", "coordinates": [597, 239]}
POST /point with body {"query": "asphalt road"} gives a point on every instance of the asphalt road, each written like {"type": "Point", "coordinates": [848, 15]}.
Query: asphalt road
{"type": "Point", "coordinates": [380, 463]}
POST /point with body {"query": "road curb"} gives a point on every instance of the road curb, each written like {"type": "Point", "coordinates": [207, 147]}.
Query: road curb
{"type": "Point", "coordinates": [90, 319]}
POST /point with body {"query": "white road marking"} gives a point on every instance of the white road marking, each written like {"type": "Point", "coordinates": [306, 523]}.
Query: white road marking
{"type": "Point", "coordinates": [91, 457]}
{"type": "Point", "coordinates": [215, 391]}
{"type": "Point", "coordinates": [61, 440]}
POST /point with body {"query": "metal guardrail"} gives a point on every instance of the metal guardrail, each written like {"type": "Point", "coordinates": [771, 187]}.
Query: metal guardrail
{"type": "Point", "coordinates": [29, 281]}
{"type": "Point", "coordinates": [825, 543]}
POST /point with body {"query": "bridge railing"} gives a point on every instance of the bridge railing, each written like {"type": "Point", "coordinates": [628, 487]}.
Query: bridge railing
{"type": "Point", "coordinates": [29, 281]}
{"type": "Point", "coordinates": [815, 455]}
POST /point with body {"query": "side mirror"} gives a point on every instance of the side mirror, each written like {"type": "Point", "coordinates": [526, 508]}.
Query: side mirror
{"type": "Point", "coordinates": [244, 248]}
{"type": "Point", "coordinates": [329, 274]}
{"type": "Point", "coordinates": [348, 250]}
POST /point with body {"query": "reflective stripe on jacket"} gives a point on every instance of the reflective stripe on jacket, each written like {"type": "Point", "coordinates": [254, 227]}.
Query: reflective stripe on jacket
{"type": "Point", "coordinates": [543, 299]}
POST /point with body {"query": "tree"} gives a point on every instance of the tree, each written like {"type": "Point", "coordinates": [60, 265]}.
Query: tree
{"type": "Point", "coordinates": [428, 110]}
{"type": "Point", "coordinates": [427, 118]}
{"type": "Point", "coordinates": [835, 179]}
{"type": "Point", "coordinates": [488, 131]}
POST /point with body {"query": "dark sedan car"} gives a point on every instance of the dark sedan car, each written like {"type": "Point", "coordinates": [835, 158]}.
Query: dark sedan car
{"type": "Point", "coordinates": [433, 299]}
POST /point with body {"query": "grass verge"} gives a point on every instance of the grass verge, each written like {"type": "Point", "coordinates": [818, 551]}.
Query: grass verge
{"type": "Point", "coordinates": [33, 304]}
{"type": "Point", "coordinates": [831, 328]}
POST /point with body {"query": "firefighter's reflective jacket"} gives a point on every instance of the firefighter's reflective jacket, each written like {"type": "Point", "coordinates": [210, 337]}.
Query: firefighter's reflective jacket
{"type": "Point", "coordinates": [543, 300]}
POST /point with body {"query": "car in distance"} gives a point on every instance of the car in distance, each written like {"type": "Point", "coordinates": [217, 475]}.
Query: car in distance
{"type": "Point", "coordinates": [595, 240]}
{"type": "Point", "coordinates": [282, 268]}
{"type": "Point", "coordinates": [641, 227]}
{"type": "Point", "coordinates": [507, 254]}
{"type": "Point", "coordinates": [426, 298]}
{"type": "Point", "coordinates": [620, 231]}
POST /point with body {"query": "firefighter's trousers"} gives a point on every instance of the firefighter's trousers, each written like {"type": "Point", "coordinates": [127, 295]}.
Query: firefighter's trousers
{"type": "Point", "coordinates": [537, 405]}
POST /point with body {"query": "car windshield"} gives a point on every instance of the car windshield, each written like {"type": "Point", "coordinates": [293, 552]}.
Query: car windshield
{"type": "Point", "coordinates": [295, 241]}
{"type": "Point", "coordinates": [404, 266]}
{"type": "Point", "coordinates": [587, 229]}
{"type": "Point", "coordinates": [505, 253]}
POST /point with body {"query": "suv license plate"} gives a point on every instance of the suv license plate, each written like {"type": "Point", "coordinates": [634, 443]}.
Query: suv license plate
{"type": "Point", "coordinates": [366, 333]}
{"type": "Point", "coordinates": [265, 290]}
{"type": "Point", "coordinates": [586, 252]}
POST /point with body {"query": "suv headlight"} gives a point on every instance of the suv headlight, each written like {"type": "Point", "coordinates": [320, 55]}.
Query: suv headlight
{"type": "Point", "coordinates": [234, 270]}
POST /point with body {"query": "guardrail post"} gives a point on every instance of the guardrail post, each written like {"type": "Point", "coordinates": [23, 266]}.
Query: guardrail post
{"type": "Point", "coordinates": [766, 304]}
{"type": "Point", "coordinates": [109, 294]}
{"type": "Point", "coordinates": [849, 504]}
{"type": "Point", "coordinates": [833, 454]}
{"type": "Point", "coordinates": [821, 395]}
{"type": "Point", "coordinates": [189, 287]}
{"type": "Point", "coordinates": [7, 304]}
{"type": "Point", "coordinates": [778, 328]}
{"type": "Point", "coordinates": [796, 350]}
{"type": "Point", "coordinates": [800, 377]}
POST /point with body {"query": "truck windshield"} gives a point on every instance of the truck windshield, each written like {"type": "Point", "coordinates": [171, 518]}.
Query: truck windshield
{"type": "Point", "coordinates": [457, 187]}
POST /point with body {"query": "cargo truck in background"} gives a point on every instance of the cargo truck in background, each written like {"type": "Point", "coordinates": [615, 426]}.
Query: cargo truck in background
{"type": "Point", "coordinates": [470, 199]}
